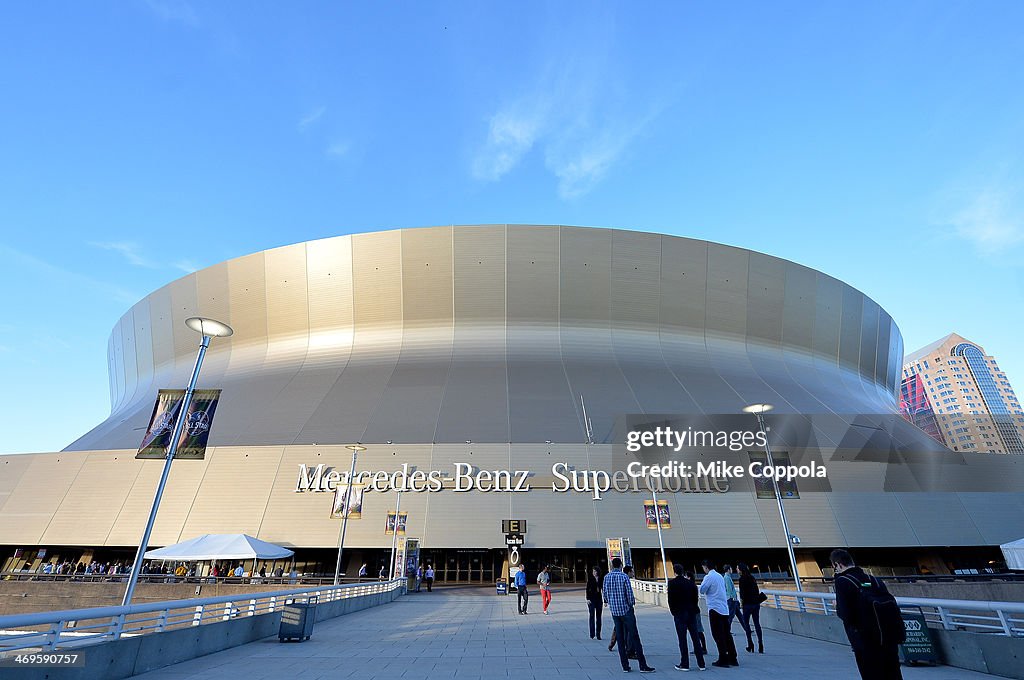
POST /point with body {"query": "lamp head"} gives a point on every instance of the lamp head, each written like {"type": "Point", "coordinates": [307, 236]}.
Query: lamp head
{"type": "Point", "coordinates": [757, 408]}
{"type": "Point", "coordinates": [211, 327]}
{"type": "Point", "coordinates": [355, 447]}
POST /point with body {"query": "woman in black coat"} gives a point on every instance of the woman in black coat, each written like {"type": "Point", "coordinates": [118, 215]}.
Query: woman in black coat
{"type": "Point", "coordinates": [750, 597]}
{"type": "Point", "coordinates": [594, 602]}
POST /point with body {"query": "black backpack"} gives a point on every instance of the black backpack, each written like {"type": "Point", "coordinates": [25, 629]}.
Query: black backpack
{"type": "Point", "coordinates": [880, 621]}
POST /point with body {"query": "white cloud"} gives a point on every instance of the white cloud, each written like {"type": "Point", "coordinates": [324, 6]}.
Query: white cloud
{"type": "Point", "coordinates": [581, 164]}
{"type": "Point", "coordinates": [511, 135]}
{"type": "Point", "coordinates": [312, 117]}
{"type": "Point", "coordinates": [136, 256]}
{"type": "Point", "coordinates": [176, 11]}
{"type": "Point", "coordinates": [53, 272]}
{"type": "Point", "coordinates": [338, 149]}
{"type": "Point", "coordinates": [130, 251]}
{"type": "Point", "coordinates": [581, 142]}
{"type": "Point", "coordinates": [989, 222]}
{"type": "Point", "coordinates": [578, 110]}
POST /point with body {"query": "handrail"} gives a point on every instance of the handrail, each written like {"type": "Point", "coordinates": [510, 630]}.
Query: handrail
{"type": "Point", "coordinates": [981, 616]}
{"type": "Point", "coordinates": [649, 586]}
{"type": "Point", "coordinates": [285, 579]}
{"type": "Point", "coordinates": [75, 627]}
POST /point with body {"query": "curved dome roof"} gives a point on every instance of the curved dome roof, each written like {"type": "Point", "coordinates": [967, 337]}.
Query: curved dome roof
{"type": "Point", "coordinates": [491, 333]}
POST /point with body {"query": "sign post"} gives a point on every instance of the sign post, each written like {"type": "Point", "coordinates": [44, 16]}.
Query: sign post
{"type": "Point", "coordinates": [514, 530]}
{"type": "Point", "coordinates": [919, 647]}
{"type": "Point", "coordinates": [618, 547]}
{"type": "Point", "coordinates": [407, 561]}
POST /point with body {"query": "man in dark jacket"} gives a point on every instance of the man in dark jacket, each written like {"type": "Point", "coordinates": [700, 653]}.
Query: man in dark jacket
{"type": "Point", "coordinates": [874, 660]}
{"type": "Point", "coordinates": [682, 602]}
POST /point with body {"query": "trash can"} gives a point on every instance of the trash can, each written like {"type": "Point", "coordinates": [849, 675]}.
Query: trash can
{"type": "Point", "coordinates": [297, 620]}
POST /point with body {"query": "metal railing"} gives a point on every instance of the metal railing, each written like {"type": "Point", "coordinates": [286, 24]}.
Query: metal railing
{"type": "Point", "coordinates": [286, 579]}
{"type": "Point", "coordinates": [649, 586]}
{"type": "Point", "coordinates": [49, 631]}
{"type": "Point", "coordinates": [977, 616]}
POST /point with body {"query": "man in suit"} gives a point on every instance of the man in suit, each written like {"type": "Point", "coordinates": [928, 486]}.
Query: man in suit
{"type": "Point", "coordinates": [682, 602]}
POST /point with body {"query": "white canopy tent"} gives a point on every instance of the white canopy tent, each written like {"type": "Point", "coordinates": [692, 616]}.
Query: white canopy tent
{"type": "Point", "coordinates": [208, 547]}
{"type": "Point", "coordinates": [1013, 553]}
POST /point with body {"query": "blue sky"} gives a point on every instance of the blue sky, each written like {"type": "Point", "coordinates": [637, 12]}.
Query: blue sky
{"type": "Point", "coordinates": [879, 142]}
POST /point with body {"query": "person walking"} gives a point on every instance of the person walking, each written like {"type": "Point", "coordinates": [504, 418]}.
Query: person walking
{"type": "Point", "coordinates": [730, 594]}
{"type": "Point", "coordinates": [713, 588]}
{"type": "Point", "coordinates": [429, 578]}
{"type": "Point", "coordinates": [682, 602]}
{"type": "Point", "coordinates": [700, 624]}
{"type": "Point", "coordinates": [877, 658]}
{"type": "Point", "coordinates": [544, 584]}
{"type": "Point", "coordinates": [750, 599]}
{"type": "Point", "coordinates": [419, 577]}
{"type": "Point", "coordinates": [522, 594]}
{"type": "Point", "coordinates": [628, 571]}
{"type": "Point", "coordinates": [618, 593]}
{"type": "Point", "coordinates": [362, 572]}
{"type": "Point", "coordinates": [594, 602]}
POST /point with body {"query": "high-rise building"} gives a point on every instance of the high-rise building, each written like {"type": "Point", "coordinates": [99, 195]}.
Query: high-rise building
{"type": "Point", "coordinates": [955, 392]}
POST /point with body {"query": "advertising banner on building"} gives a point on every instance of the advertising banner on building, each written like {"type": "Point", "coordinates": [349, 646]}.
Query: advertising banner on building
{"type": "Point", "coordinates": [661, 515]}
{"type": "Point", "coordinates": [389, 526]}
{"type": "Point", "coordinates": [195, 433]}
{"type": "Point", "coordinates": [350, 496]}
{"type": "Point", "coordinates": [763, 484]}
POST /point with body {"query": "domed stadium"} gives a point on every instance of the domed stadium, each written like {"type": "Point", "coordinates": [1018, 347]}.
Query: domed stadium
{"type": "Point", "coordinates": [499, 347]}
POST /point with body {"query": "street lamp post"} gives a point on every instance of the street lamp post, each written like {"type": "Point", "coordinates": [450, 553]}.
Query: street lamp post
{"type": "Point", "coordinates": [394, 537]}
{"type": "Point", "coordinates": [661, 542]}
{"type": "Point", "coordinates": [209, 328]}
{"type": "Point", "coordinates": [355, 449]}
{"type": "Point", "coordinates": [759, 410]}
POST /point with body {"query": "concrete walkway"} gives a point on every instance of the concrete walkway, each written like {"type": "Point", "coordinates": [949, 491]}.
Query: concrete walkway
{"type": "Point", "coordinates": [474, 635]}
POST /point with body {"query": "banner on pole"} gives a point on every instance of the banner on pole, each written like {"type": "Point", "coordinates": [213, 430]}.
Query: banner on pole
{"type": "Point", "coordinates": [408, 557]}
{"type": "Point", "coordinates": [350, 496]}
{"type": "Point", "coordinates": [389, 527]}
{"type": "Point", "coordinates": [655, 516]}
{"type": "Point", "coordinates": [763, 485]}
{"type": "Point", "coordinates": [194, 434]}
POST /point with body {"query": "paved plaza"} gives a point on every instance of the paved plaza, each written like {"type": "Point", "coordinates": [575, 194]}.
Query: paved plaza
{"type": "Point", "coordinates": [468, 633]}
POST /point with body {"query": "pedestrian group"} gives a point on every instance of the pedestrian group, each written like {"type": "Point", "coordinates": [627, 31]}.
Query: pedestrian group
{"type": "Point", "coordinates": [869, 613]}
